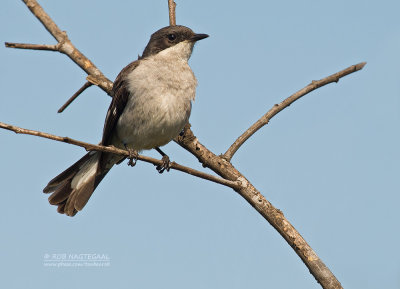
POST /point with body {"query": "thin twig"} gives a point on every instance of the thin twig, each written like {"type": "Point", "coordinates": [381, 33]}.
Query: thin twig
{"type": "Point", "coordinates": [111, 149]}
{"type": "Point", "coordinates": [32, 46]}
{"type": "Point", "coordinates": [76, 94]}
{"type": "Point", "coordinates": [287, 102]}
{"type": "Point", "coordinates": [172, 12]}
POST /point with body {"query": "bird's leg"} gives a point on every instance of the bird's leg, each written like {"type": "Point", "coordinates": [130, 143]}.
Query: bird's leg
{"type": "Point", "coordinates": [166, 164]}
{"type": "Point", "coordinates": [133, 156]}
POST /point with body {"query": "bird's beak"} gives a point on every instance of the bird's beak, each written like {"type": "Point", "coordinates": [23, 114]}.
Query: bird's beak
{"type": "Point", "coordinates": [198, 37]}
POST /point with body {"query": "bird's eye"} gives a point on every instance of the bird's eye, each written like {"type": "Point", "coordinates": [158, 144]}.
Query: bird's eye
{"type": "Point", "coordinates": [171, 37]}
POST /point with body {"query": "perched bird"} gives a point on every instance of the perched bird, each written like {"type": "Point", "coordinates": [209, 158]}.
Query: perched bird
{"type": "Point", "coordinates": [151, 103]}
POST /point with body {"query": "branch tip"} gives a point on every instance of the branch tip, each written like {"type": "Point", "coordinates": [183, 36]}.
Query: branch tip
{"type": "Point", "coordinates": [360, 65]}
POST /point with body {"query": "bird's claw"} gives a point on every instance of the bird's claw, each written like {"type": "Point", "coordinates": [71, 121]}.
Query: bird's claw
{"type": "Point", "coordinates": [133, 156]}
{"type": "Point", "coordinates": [166, 165]}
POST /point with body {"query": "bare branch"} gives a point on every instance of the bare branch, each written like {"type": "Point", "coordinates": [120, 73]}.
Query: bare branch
{"type": "Point", "coordinates": [172, 13]}
{"type": "Point", "coordinates": [114, 150]}
{"type": "Point", "coordinates": [287, 102]}
{"type": "Point", "coordinates": [273, 215]}
{"type": "Point", "coordinates": [76, 94]}
{"type": "Point", "coordinates": [31, 46]}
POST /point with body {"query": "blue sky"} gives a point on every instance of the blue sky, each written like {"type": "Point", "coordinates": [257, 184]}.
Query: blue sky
{"type": "Point", "coordinates": [330, 162]}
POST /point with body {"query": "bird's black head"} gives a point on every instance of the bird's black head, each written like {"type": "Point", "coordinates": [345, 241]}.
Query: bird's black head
{"type": "Point", "coordinates": [169, 36]}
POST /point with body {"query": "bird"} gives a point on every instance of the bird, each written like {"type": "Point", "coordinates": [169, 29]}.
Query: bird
{"type": "Point", "coordinates": [151, 103]}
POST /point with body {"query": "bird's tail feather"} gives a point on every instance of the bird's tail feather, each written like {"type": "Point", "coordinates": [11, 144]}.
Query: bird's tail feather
{"type": "Point", "coordinates": [72, 188]}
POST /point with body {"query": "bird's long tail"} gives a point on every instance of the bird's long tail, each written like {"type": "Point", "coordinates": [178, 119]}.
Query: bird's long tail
{"type": "Point", "coordinates": [72, 188]}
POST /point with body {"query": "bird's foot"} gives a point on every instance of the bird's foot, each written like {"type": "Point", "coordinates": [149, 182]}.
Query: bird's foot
{"type": "Point", "coordinates": [133, 156]}
{"type": "Point", "coordinates": [166, 164]}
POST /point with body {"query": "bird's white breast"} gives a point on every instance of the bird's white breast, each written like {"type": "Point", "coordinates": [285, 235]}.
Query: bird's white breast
{"type": "Point", "coordinates": [162, 88]}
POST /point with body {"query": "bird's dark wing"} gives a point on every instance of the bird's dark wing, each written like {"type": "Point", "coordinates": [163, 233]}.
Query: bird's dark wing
{"type": "Point", "coordinates": [120, 95]}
